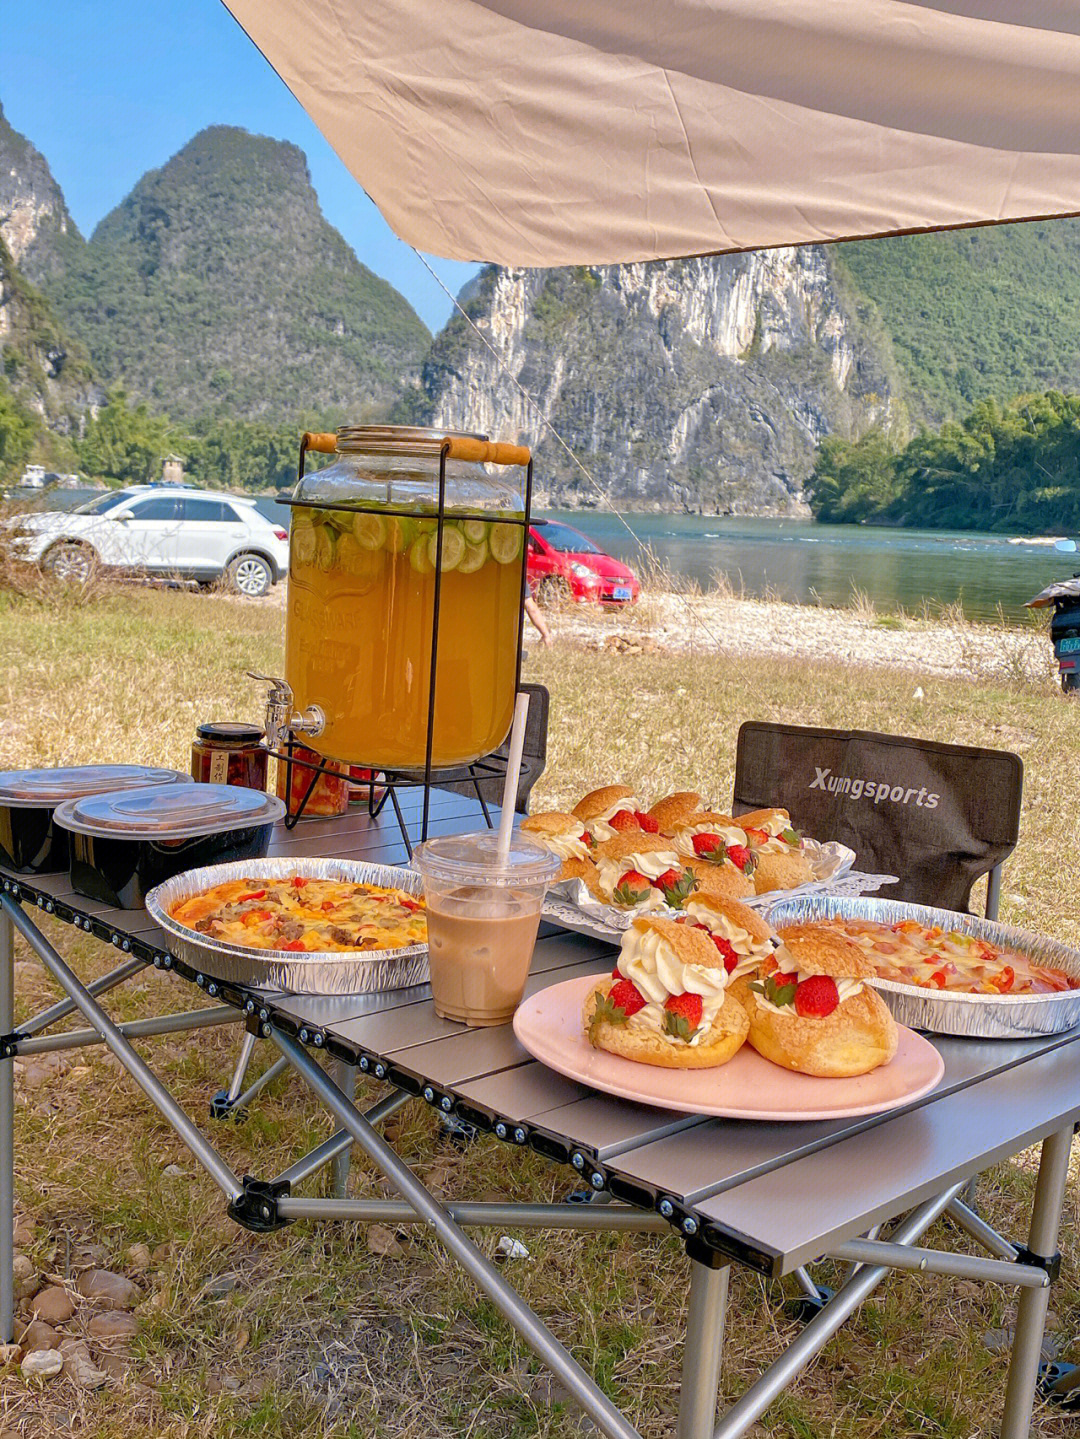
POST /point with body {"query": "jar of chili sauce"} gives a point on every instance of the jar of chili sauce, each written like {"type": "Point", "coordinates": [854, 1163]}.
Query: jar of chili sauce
{"type": "Point", "coordinates": [330, 792]}
{"type": "Point", "coordinates": [228, 753]}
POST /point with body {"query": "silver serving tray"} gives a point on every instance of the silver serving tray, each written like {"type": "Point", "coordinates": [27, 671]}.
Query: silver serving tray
{"type": "Point", "coordinates": [973, 1016]}
{"type": "Point", "coordinates": [283, 970]}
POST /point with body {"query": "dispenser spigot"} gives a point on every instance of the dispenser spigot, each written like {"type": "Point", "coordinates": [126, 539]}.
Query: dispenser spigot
{"type": "Point", "coordinates": [282, 720]}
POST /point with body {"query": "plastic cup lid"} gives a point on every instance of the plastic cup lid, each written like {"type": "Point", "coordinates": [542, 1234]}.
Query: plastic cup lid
{"type": "Point", "coordinates": [475, 859]}
{"type": "Point", "coordinates": [45, 788]}
{"type": "Point", "coordinates": [185, 812]}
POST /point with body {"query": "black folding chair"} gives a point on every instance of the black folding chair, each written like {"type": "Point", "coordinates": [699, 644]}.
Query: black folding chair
{"type": "Point", "coordinates": [938, 815]}
{"type": "Point", "coordinates": [488, 788]}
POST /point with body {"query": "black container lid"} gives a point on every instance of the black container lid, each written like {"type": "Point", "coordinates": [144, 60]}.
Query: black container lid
{"type": "Point", "coordinates": [231, 732]}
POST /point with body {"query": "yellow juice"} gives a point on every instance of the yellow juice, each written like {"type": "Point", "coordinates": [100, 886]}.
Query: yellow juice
{"type": "Point", "coordinates": [358, 635]}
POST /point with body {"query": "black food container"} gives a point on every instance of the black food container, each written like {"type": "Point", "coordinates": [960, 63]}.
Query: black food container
{"type": "Point", "coordinates": [123, 845]}
{"type": "Point", "coordinates": [29, 841]}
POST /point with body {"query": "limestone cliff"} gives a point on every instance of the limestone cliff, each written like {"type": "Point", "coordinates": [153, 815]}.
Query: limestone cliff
{"type": "Point", "coordinates": [707, 381]}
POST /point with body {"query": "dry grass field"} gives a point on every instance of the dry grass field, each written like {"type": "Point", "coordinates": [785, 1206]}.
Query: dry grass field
{"type": "Point", "coordinates": [311, 1332]}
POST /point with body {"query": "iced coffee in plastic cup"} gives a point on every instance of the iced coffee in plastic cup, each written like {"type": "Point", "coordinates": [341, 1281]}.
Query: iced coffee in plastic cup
{"type": "Point", "coordinates": [483, 912]}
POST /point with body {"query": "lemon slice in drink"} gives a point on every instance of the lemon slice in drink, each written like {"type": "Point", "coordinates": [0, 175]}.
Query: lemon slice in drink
{"type": "Point", "coordinates": [474, 557]}
{"type": "Point", "coordinates": [453, 548]}
{"type": "Point", "coordinates": [505, 542]}
{"type": "Point", "coordinates": [400, 533]}
{"type": "Point", "coordinates": [420, 557]}
{"type": "Point", "coordinates": [324, 547]}
{"type": "Point", "coordinates": [475, 531]}
{"type": "Point", "coordinates": [370, 531]}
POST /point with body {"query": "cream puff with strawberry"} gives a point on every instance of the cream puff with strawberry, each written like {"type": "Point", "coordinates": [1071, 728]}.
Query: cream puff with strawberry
{"type": "Point", "coordinates": [668, 1002]}
{"type": "Point", "coordinates": [776, 846]}
{"type": "Point", "coordinates": [639, 872]}
{"type": "Point", "coordinates": [564, 835]}
{"type": "Point", "coordinates": [716, 851]}
{"type": "Point", "coordinates": [673, 810]}
{"type": "Point", "coordinates": [811, 1010]}
{"type": "Point", "coordinates": [742, 938]}
{"type": "Point", "coordinates": [612, 810]}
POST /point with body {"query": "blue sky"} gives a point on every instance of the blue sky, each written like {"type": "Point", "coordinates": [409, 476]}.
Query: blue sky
{"type": "Point", "coordinates": [107, 89]}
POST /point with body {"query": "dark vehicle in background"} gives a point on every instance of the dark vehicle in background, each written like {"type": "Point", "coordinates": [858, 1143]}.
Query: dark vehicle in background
{"type": "Point", "coordinates": [1064, 595]}
{"type": "Point", "coordinates": [565, 565]}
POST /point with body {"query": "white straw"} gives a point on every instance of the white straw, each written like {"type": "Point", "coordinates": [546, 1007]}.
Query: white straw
{"type": "Point", "coordinates": [513, 770]}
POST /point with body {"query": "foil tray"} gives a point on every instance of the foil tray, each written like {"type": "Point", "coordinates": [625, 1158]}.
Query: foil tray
{"type": "Point", "coordinates": [283, 970]}
{"type": "Point", "coordinates": [972, 1016]}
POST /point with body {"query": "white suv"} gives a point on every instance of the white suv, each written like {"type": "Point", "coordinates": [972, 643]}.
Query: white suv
{"type": "Point", "coordinates": [161, 530]}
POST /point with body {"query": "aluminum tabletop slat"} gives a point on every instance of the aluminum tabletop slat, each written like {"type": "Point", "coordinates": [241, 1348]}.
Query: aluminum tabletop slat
{"type": "Point", "coordinates": [871, 1177]}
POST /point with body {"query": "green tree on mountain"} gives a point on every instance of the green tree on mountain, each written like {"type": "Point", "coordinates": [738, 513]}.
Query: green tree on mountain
{"type": "Point", "coordinates": [124, 443]}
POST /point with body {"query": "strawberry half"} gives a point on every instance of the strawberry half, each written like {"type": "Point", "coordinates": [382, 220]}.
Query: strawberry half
{"type": "Point", "coordinates": [624, 819]}
{"type": "Point", "coordinates": [631, 889]}
{"type": "Point", "coordinates": [757, 837]}
{"type": "Point", "coordinates": [816, 997]}
{"type": "Point", "coordinates": [728, 955]}
{"type": "Point", "coordinates": [740, 857]}
{"type": "Point", "coordinates": [646, 822]}
{"type": "Point", "coordinates": [682, 1017]}
{"type": "Point", "coordinates": [627, 996]}
{"type": "Point", "coordinates": [709, 846]}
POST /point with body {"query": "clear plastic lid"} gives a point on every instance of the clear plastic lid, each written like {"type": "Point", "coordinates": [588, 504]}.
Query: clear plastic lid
{"type": "Point", "coordinates": [169, 814]}
{"type": "Point", "coordinates": [475, 859]}
{"type": "Point", "coordinates": [44, 788]}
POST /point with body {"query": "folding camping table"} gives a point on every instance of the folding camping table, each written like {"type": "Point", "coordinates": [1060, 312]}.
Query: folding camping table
{"type": "Point", "coordinates": [772, 1197]}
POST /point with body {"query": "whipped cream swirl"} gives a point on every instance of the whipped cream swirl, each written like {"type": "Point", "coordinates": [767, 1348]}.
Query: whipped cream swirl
{"type": "Point", "coordinates": [684, 836]}
{"type": "Point", "coordinates": [598, 826]}
{"type": "Point", "coordinates": [570, 844]}
{"type": "Point", "coordinates": [657, 972]}
{"type": "Point", "coordinates": [652, 866]}
{"type": "Point", "coordinates": [845, 988]}
{"type": "Point", "coordinates": [750, 951]}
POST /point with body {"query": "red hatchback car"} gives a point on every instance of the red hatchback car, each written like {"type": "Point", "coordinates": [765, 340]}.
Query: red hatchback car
{"type": "Point", "coordinates": [565, 564]}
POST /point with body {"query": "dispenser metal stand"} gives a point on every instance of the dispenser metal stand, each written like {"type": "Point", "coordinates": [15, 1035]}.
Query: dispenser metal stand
{"type": "Point", "coordinates": [287, 729]}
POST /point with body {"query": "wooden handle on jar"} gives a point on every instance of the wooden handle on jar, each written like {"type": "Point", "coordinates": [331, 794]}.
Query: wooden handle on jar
{"type": "Point", "coordinates": [326, 444]}
{"type": "Point", "coordinates": [486, 452]}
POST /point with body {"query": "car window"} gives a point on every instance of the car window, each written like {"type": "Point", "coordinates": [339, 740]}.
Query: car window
{"type": "Point", "coordinates": [198, 509]}
{"type": "Point", "coordinates": [567, 541]}
{"type": "Point", "coordinates": [100, 503]}
{"type": "Point", "coordinates": [161, 507]}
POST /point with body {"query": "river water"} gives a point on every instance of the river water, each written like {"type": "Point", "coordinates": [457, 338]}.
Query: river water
{"type": "Point", "coordinates": [809, 563]}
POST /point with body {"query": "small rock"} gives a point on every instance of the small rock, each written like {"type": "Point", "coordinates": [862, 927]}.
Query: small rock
{"type": "Point", "coordinates": [24, 1276]}
{"type": "Point", "coordinates": [109, 1290]}
{"type": "Point", "coordinates": [161, 1253]}
{"type": "Point", "coordinates": [9, 1353]}
{"type": "Point", "coordinates": [138, 1257]}
{"type": "Point", "coordinates": [113, 1325]}
{"type": "Point", "coordinates": [42, 1364]}
{"type": "Point", "coordinates": [381, 1240]}
{"type": "Point", "coordinates": [54, 1305]}
{"type": "Point", "coordinates": [24, 1234]}
{"type": "Point", "coordinates": [508, 1248]}
{"type": "Point", "coordinates": [39, 1335]}
{"type": "Point", "coordinates": [220, 1286]}
{"type": "Point", "coordinates": [79, 1365]}
{"type": "Point", "coordinates": [174, 1171]}
{"type": "Point", "coordinates": [116, 1366]}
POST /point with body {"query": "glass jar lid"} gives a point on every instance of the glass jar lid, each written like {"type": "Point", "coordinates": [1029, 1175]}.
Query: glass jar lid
{"type": "Point", "coordinates": [475, 859]}
{"type": "Point", "coordinates": [230, 732]}
{"type": "Point", "coordinates": [397, 439]}
{"type": "Point", "coordinates": [44, 788]}
{"type": "Point", "coordinates": [162, 814]}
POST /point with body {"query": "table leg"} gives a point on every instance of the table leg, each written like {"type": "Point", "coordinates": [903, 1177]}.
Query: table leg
{"type": "Point", "coordinates": [1033, 1303]}
{"type": "Point", "coordinates": [346, 1081]}
{"type": "Point", "coordinates": [705, 1316]}
{"type": "Point", "coordinates": [247, 1048]}
{"type": "Point", "coordinates": [7, 1132]}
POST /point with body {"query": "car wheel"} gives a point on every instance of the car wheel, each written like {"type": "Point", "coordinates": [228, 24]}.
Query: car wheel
{"type": "Point", "coordinates": [70, 563]}
{"type": "Point", "coordinates": [553, 591]}
{"type": "Point", "coordinates": [250, 575]}
{"type": "Point", "coordinates": [1070, 681]}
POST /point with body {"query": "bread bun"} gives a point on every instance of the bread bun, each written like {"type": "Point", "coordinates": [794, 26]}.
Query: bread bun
{"type": "Point", "coordinates": [552, 821]}
{"type": "Point", "coordinates": [689, 944]}
{"type": "Point", "coordinates": [719, 881]}
{"type": "Point", "coordinates": [671, 811]}
{"type": "Point", "coordinates": [858, 1036]}
{"type": "Point", "coordinates": [581, 869]}
{"type": "Point", "coordinates": [759, 818]}
{"type": "Point", "coordinates": [598, 800]}
{"type": "Point", "coordinates": [820, 949]}
{"type": "Point", "coordinates": [720, 1042]}
{"type": "Point", "coordinates": [781, 871]}
{"type": "Point", "coordinates": [737, 915]}
{"type": "Point", "coordinates": [633, 842]}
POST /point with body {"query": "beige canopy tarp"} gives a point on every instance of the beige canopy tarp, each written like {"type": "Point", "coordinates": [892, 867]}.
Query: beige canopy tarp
{"type": "Point", "coordinates": [555, 132]}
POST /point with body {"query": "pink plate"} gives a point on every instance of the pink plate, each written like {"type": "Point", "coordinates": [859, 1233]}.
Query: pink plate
{"type": "Point", "coordinates": [747, 1087]}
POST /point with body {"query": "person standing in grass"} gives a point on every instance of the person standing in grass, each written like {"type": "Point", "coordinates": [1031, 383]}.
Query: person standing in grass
{"type": "Point", "coordinates": [532, 609]}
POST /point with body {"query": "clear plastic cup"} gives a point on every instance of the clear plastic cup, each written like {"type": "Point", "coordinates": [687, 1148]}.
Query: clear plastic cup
{"type": "Point", "coordinates": [483, 912]}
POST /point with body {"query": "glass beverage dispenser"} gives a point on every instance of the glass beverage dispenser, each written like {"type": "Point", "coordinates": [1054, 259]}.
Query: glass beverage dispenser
{"type": "Point", "coordinates": [406, 582]}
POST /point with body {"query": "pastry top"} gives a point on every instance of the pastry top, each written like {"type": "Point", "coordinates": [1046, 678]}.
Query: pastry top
{"type": "Point", "coordinates": [553, 821]}
{"type": "Point", "coordinates": [772, 821]}
{"type": "Point", "coordinates": [725, 915]}
{"type": "Point", "coordinates": [671, 811]}
{"type": "Point", "coordinates": [819, 949]}
{"type": "Point", "coordinates": [691, 946]}
{"type": "Point", "coordinates": [633, 842]}
{"type": "Point", "coordinates": [604, 802]}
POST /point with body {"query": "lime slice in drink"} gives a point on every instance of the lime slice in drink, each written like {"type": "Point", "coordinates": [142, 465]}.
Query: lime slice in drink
{"type": "Point", "coordinates": [474, 557]}
{"type": "Point", "coordinates": [475, 531]}
{"type": "Point", "coordinates": [340, 519]}
{"type": "Point", "coordinates": [303, 542]}
{"type": "Point", "coordinates": [426, 527]}
{"type": "Point", "coordinates": [400, 533]}
{"type": "Point", "coordinates": [324, 547]}
{"type": "Point", "coordinates": [419, 557]}
{"type": "Point", "coordinates": [453, 548]}
{"type": "Point", "coordinates": [505, 541]}
{"type": "Point", "coordinates": [370, 531]}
